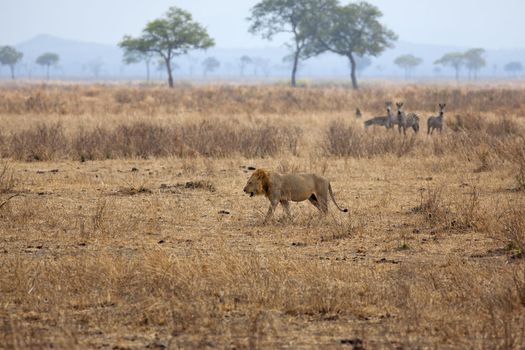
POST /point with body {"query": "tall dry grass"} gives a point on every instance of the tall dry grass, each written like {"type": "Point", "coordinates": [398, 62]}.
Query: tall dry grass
{"type": "Point", "coordinates": [145, 140]}
{"type": "Point", "coordinates": [263, 99]}
{"type": "Point", "coordinates": [250, 121]}
{"type": "Point", "coordinates": [233, 296]}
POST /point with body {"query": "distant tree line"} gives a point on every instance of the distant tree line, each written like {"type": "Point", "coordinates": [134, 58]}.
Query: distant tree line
{"type": "Point", "coordinates": [316, 26]}
{"type": "Point", "coordinates": [471, 59]}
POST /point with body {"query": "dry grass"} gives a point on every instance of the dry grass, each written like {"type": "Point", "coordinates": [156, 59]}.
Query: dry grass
{"type": "Point", "coordinates": [132, 232]}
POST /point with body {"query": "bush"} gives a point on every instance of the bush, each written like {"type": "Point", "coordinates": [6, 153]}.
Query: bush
{"type": "Point", "coordinates": [43, 142]}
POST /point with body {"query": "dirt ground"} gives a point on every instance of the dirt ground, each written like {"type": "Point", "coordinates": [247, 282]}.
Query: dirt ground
{"type": "Point", "coordinates": [135, 212]}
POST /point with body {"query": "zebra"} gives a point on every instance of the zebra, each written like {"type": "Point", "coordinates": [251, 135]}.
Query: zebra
{"type": "Point", "coordinates": [406, 121]}
{"type": "Point", "coordinates": [385, 121]}
{"type": "Point", "coordinates": [436, 122]}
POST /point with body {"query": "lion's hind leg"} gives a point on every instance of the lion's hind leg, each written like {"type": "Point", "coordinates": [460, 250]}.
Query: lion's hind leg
{"type": "Point", "coordinates": [318, 204]}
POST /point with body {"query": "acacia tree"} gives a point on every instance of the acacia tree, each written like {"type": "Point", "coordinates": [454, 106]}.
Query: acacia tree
{"type": "Point", "coordinates": [137, 50]}
{"type": "Point", "coordinates": [209, 65]}
{"type": "Point", "coordinates": [173, 35]}
{"type": "Point", "coordinates": [9, 56]}
{"type": "Point", "coordinates": [298, 18]}
{"type": "Point", "coordinates": [455, 60]}
{"type": "Point", "coordinates": [244, 61]}
{"type": "Point", "coordinates": [47, 60]}
{"type": "Point", "coordinates": [408, 63]}
{"type": "Point", "coordinates": [353, 30]}
{"type": "Point", "coordinates": [513, 68]}
{"type": "Point", "coordinates": [474, 61]}
{"type": "Point", "coordinates": [95, 67]}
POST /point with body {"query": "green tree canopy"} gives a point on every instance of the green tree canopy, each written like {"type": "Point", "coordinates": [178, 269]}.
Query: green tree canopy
{"type": "Point", "coordinates": [47, 60]}
{"type": "Point", "coordinates": [172, 35]}
{"type": "Point", "coordinates": [298, 18]}
{"type": "Point", "coordinates": [353, 30]}
{"type": "Point", "coordinates": [210, 64]}
{"type": "Point", "coordinates": [408, 63]}
{"type": "Point", "coordinates": [474, 61]}
{"type": "Point", "coordinates": [455, 60]}
{"type": "Point", "coordinates": [137, 50]}
{"type": "Point", "coordinates": [9, 56]}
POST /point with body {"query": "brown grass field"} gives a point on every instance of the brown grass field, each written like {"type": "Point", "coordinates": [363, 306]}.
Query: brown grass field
{"type": "Point", "coordinates": [123, 224]}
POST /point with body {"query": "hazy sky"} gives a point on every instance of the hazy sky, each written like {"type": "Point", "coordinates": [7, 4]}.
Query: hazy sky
{"type": "Point", "coordinates": [471, 23]}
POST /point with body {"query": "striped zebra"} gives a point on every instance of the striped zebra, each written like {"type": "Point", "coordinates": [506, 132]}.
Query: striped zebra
{"type": "Point", "coordinates": [385, 121]}
{"type": "Point", "coordinates": [406, 121]}
{"type": "Point", "coordinates": [436, 122]}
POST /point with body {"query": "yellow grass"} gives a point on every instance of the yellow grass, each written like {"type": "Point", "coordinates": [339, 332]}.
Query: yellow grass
{"type": "Point", "coordinates": [165, 251]}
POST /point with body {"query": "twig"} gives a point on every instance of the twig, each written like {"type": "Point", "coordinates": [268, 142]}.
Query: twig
{"type": "Point", "coordinates": [8, 199]}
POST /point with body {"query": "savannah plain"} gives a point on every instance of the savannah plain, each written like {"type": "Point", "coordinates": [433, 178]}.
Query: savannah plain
{"type": "Point", "coordinates": [123, 224]}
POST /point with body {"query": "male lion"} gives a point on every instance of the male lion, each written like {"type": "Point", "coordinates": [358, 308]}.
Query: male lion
{"type": "Point", "coordinates": [280, 188]}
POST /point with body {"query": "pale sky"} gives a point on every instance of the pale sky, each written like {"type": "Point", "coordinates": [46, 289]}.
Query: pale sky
{"type": "Point", "coordinates": [468, 23]}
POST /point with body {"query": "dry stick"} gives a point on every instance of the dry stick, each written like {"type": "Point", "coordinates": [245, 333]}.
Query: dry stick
{"type": "Point", "coordinates": [8, 199]}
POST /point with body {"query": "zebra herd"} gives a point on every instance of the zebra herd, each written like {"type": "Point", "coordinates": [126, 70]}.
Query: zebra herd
{"type": "Point", "coordinates": [404, 120]}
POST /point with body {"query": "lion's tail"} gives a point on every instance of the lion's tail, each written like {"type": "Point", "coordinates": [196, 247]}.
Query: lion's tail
{"type": "Point", "coordinates": [333, 199]}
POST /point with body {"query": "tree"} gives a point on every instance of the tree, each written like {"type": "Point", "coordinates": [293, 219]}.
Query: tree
{"type": "Point", "coordinates": [513, 68]}
{"type": "Point", "coordinates": [95, 67]}
{"type": "Point", "coordinates": [47, 60]}
{"type": "Point", "coordinates": [244, 61]}
{"type": "Point", "coordinates": [9, 56]}
{"type": "Point", "coordinates": [408, 63]}
{"type": "Point", "coordinates": [353, 30]}
{"type": "Point", "coordinates": [161, 67]}
{"type": "Point", "coordinates": [299, 18]}
{"type": "Point", "coordinates": [210, 64]}
{"type": "Point", "coordinates": [261, 64]}
{"type": "Point", "coordinates": [137, 50]}
{"type": "Point", "coordinates": [474, 61]}
{"type": "Point", "coordinates": [173, 35]}
{"type": "Point", "coordinates": [455, 60]}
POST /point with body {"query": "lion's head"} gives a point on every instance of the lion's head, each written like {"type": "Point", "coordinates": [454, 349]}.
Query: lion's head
{"type": "Point", "coordinates": [258, 183]}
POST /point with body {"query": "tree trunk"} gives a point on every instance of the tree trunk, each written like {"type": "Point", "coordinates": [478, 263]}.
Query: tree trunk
{"type": "Point", "coordinates": [295, 65]}
{"type": "Point", "coordinates": [12, 67]}
{"type": "Point", "coordinates": [170, 75]}
{"type": "Point", "coordinates": [147, 71]}
{"type": "Point", "coordinates": [47, 71]}
{"type": "Point", "coordinates": [352, 71]}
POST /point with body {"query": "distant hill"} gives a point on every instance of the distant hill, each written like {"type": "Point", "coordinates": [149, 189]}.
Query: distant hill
{"type": "Point", "coordinates": [85, 60]}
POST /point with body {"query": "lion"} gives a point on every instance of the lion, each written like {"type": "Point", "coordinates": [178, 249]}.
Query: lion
{"type": "Point", "coordinates": [282, 189]}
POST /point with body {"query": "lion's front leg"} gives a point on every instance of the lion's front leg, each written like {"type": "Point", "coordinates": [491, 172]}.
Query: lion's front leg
{"type": "Point", "coordinates": [271, 209]}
